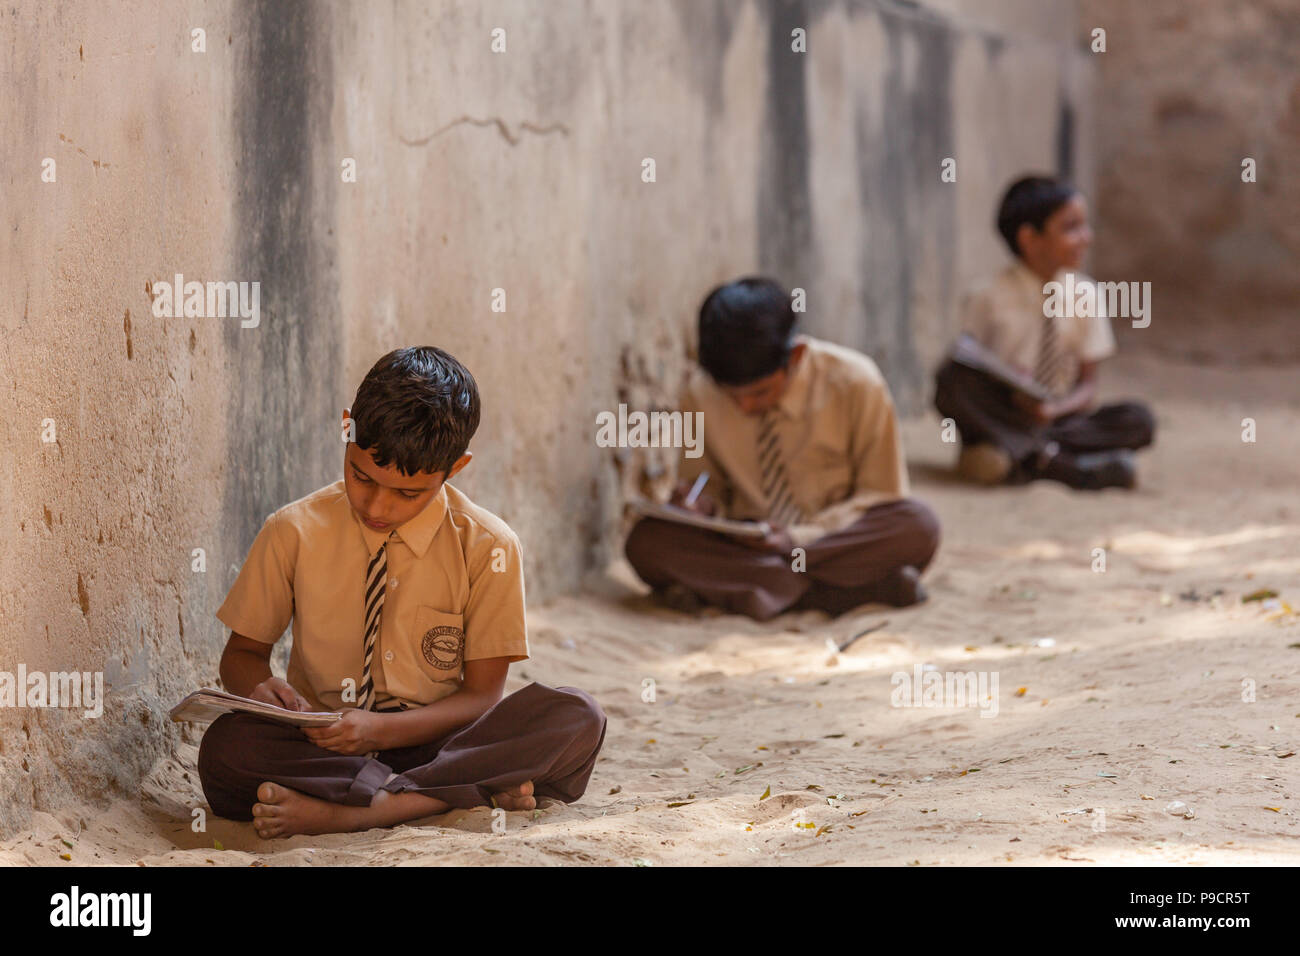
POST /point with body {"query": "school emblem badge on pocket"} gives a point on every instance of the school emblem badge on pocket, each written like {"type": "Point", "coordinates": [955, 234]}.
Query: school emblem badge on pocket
{"type": "Point", "coordinates": [443, 647]}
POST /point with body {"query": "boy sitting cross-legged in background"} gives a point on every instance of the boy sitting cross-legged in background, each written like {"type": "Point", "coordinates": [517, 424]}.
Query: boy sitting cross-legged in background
{"type": "Point", "coordinates": [402, 589]}
{"type": "Point", "coordinates": [800, 433]}
{"type": "Point", "coordinates": [1006, 435]}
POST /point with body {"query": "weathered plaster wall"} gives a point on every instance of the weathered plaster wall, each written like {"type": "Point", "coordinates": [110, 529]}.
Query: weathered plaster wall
{"type": "Point", "coordinates": [475, 171]}
{"type": "Point", "coordinates": [1186, 90]}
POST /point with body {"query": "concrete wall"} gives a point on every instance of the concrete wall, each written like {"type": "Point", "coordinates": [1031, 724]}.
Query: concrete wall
{"type": "Point", "coordinates": [475, 171]}
{"type": "Point", "coordinates": [1187, 89]}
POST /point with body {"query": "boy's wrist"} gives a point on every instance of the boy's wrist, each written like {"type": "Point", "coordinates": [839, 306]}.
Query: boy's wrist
{"type": "Point", "coordinates": [391, 732]}
{"type": "Point", "coordinates": [380, 730]}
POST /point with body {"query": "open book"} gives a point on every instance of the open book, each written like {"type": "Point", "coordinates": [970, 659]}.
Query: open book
{"type": "Point", "coordinates": [970, 353]}
{"type": "Point", "coordinates": [742, 529]}
{"type": "Point", "coordinates": [206, 705]}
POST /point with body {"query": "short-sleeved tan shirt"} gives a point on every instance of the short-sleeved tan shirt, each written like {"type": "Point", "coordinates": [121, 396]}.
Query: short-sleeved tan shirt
{"type": "Point", "coordinates": [838, 434]}
{"type": "Point", "coordinates": [455, 594]}
{"type": "Point", "coordinates": [1006, 317]}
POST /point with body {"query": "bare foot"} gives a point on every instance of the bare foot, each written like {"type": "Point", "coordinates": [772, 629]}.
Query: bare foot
{"type": "Point", "coordinates": [517, 798]}
{"type": "Point", "coordinates": [903, 588]}
{"type": "Point", "coordinates": [282, 812]}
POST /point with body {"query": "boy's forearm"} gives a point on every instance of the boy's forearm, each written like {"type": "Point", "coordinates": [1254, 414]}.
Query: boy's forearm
{"type": "Point", "coordinates": [423, 725]}
{"type": "Point", "coordinates": [1077, 400]}
{"type": "Point", "coordinates": [242, 671]}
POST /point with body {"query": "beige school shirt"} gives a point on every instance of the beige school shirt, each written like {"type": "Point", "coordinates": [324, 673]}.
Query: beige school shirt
{"type": "Point", "coordinates": [455, 594]}
{"type": "Point", "coordinates": [1006, 317]}
{"type": "Point", "coordinates": [838, 436]}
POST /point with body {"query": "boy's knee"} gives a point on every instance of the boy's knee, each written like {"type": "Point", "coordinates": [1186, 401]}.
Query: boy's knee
{"type": "Point", "coordinates": [587, 715]}
{"type": "Point", "coordinates": [636, 546]}
{"type": "Point", "coordinates": [218, 769]}
{"type": "Point", "coordinates": [922, 529]}
{"type": "Point", "coordinates": [1144, 424]}
{"type": "Point", "coordinates": [233, 738]}
{"type": "Point", "coordinates": [218, 740]}
{"type": "Point", "coordinates": [645, 548]}
{"type": "Point", "coordinates": [943, 385]}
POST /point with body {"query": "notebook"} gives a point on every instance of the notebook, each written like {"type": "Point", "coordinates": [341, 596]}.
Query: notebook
{"type": "Point", "coordinates": [206, 705]}
{"type": "Point", "coordinates": [970, 353]}
{"type": "Point", "coordinates": [742, 529]}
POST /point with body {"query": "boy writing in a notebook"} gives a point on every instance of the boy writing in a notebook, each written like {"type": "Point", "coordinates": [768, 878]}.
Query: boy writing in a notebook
{"type": "Point", "coordinates": [1007, 435]}
{"type": "Point", "coordinates": [407, 603]}
{"type": "Point", "coordinates": [801, 434]}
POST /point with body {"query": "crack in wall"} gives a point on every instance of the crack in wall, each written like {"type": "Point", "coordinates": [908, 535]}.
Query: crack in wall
{"type": "Point", "coordinates": [501, 125]}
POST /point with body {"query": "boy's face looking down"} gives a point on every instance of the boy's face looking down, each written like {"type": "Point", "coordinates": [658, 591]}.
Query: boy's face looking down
{"type": "Point", "coordinates": [761, 395]}
{"type": "Point", "coordinates": [1061, 244]}
{"type": "Point", "coordinates": [385, 497]}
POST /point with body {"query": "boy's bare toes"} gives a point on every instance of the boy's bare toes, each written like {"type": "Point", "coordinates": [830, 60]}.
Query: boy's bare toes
{"type": "Point", "coordinates": [517, 798]}
{"type": "Point", "coordinates": [271, 793]}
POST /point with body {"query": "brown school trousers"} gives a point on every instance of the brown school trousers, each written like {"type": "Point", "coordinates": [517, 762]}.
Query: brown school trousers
{"type": "Point", "coordinates": [843, 569]}
{"type": "Point", "coordinates": [549, 735]}
{"type": "Point", "coordinates": [984, 411]}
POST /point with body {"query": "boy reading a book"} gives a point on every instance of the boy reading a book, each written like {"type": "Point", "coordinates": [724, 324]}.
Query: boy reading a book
{"type": "Point", "coordinates": [1008, 435]}
{"type": "Point", "coordinates": [407, 603]}
{"type": "Point", "coordinates": [801, 433]}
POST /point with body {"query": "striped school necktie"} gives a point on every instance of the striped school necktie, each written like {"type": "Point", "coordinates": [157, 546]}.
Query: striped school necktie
{"type": "Point", "coordinates": [781, 508]}
{"type": "Point", "coordinates": [376, 584]}
{"type": "Point", "coordinates": [1051, 358]}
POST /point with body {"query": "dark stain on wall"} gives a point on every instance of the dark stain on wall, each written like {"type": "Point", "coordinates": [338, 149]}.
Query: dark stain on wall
{"type": "Point", "coordinates": [283, 426]}
{"type": "Point", "coordinates": [785, 240]}
{"type": "Point", "coordinates": [909, 211]}
{"type": "Point", "coordinates": [707, 29]}
{"type": "Point", "coordinates": [1065, 139]}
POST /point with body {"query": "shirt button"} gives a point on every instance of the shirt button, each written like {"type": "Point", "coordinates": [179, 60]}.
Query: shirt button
{"type": "Point", "coordinates": [388, 655]}
{"type": "Point", "coordinates": [393, 583]}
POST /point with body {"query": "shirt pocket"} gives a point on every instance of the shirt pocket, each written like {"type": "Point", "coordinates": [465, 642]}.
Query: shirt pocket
{"type": "Point", "coordinates": [438, 643]}
{"type": "Point", "coordinates": [825, 474]}
{"type": "Point", "coordinates": [422, 660]}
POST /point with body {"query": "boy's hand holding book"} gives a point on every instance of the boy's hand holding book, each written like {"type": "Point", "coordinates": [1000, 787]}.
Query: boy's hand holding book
{"type": "Point", "coordinates": [690, 505]}
{"type": "Point", "coordinates": [280, 693]}
{"type": "Point", "coordinates": [691, 496]}
{"type": "Point", "coordinates": [357, 732]}
{"type": "Point", "coordinates": [777, 541]}
{"type": "Point", "coordinates": [1043, 413]}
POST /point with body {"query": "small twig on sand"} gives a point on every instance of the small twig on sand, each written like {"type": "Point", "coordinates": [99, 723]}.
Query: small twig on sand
{"type": "Point", "coordinates": [846, 644]}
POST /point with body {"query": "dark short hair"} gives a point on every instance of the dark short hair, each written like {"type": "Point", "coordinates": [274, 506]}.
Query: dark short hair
{"type": "Point", "coordinates": [1032, 200]}
{"type": "Point", "coordinates": [746, 331]}
{"type": "Point", "coordinates": [418, 407]}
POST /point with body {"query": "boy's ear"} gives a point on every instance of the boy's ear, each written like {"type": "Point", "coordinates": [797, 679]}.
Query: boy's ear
{"type": "Point", "coordinates": [461, 462]}
{"type": "Point", "coordinates": [796, 354]}
{"type": "Point", "coordinates": [1025, 235]}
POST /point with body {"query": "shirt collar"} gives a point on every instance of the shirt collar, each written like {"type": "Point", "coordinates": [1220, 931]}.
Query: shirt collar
{"type": "Point", "coordinates": [795, 400]}
{"type": "Point", "coordinates": [1027, 277]}
{"type": "Point", "coordinates": [1031, 280]}
{"type": "Point", "coordinates": [417, 534]}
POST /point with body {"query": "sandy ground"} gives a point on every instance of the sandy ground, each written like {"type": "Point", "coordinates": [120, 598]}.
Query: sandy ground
{"type": "Point", "coordinates": [1135, 698]}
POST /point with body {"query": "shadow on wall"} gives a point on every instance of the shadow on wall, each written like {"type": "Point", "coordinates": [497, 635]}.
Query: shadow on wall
{"type": "Point", "coordinates": [283, 423]}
